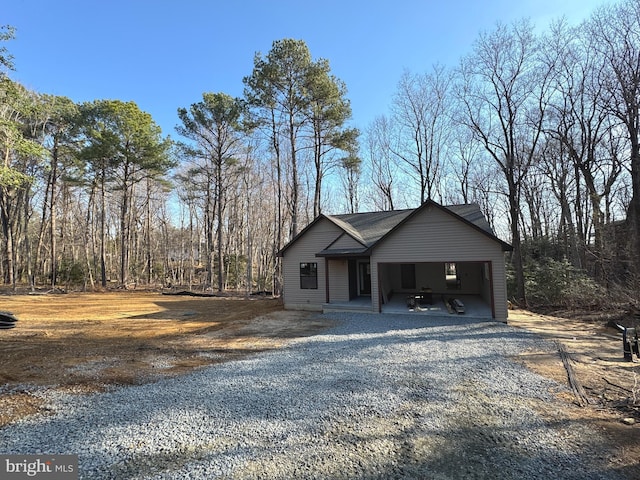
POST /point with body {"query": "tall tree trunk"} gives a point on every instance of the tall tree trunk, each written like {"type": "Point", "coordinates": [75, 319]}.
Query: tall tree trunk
{"type": "Point", "coordinates": [103, 233]}
{"type": "Point", "coordinates": [514, 213]}
{"type": "Point", "coordinates": [277, 241]}
{"type": "Point", "coordinates": [633, 212]}
{"type": "Point", "coordinates": [148, 235]}
{"type": "Point", "coordinates": [40, 262]}
{"type": "Point", "coordinates": [317, 158]}
{"type": "Point", "coordinates": [52, 213]}
{"type": "Point", "coordinates": [124, 230]}
{"type": "Point", "coordinates": [9, 237]}
{"type": "Point", "coordinates": [569, 240]}
{"type": "Point", "coordinates": [295, 187]}
{"type": "Point", "coordinates": [209, 220]}
{"type": "Point", "coordinates": [89, 237]}
{"type": "Point", "coordinates": [220, 225]}
{"type": "Point", "coordinates": [249, 237]}
{"type": "Point", "coordinates": [597, 221]}
{"type": "Point", "coordinates": [27, 244]}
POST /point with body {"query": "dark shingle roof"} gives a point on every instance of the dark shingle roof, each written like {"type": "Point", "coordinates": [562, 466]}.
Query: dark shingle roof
{"type": "Point", "coordinates": [370, 227]}
{"type": "Point", "coordinates": [471, 213]}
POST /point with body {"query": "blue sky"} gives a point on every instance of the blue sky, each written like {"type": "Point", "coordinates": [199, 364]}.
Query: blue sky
{"type": "Point", "coordinates": [164, 54]}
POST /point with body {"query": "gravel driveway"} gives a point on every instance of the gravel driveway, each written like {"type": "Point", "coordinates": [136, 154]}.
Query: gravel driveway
{"type": "Point", "coordinates": [378, 396]}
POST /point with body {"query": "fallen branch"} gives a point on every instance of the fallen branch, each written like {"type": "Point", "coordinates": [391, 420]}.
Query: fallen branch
{"type": "Point", "coordinates": [617, 386]}
{"type": "Point", "coordinates": [575, 384]}
{"type": "Point", "coordinates": [190, 294]}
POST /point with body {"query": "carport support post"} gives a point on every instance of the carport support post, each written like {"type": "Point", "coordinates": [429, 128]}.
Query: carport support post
{"type": "Point", "coordinates": [491, 291]}
{"type": "Point", "coordinates": [326, 279]}
{"type": "Point", "coordinates": [379, 282]}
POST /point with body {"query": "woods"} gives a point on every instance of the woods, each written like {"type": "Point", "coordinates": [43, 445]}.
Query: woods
{"type": "Point", "coordinates": [539, 125]}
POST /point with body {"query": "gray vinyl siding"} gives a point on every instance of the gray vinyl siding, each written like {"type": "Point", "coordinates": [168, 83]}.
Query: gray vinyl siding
{"type": "Point", "coordinates": [339, 280]}
{"type": "Point", "coordinates": [435, 236]}
{"type": "Point", "coordinates": [500, 289]}
{"type": "Point", "coordinates": [346, 241]}
{"type": "Point", "coordinates": [303, 250]}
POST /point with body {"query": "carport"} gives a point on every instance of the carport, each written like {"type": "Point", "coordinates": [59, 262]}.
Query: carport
{"type": "Point", "coordinates": [434, 284]}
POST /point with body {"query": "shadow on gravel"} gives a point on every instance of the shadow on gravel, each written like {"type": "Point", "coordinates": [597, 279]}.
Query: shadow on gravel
{"type": "Point", "coordinates": [383, 323]}
{"type": "Point", "coordinates": [385, 329]}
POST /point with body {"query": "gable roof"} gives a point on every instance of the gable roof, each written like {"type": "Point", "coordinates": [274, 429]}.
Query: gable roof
{"type": "Point", "coordinates": [369, 227]}
{"type": "Point", "coordinates": [372, 227]}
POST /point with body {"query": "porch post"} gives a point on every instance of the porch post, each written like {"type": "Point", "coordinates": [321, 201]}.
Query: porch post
{"type": "Point", "coordinates": [326, 279]}
{"type": "Point", "coordinates": [379, 283]}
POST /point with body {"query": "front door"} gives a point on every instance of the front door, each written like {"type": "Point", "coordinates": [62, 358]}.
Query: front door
{"type": "Point", "coordinates": [364, 278]}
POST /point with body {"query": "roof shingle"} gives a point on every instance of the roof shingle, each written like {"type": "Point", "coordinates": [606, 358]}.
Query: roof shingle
{"type": "Point", "coordinates": [370, 227]}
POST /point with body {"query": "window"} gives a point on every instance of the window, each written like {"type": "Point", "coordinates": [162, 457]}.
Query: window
{"type": "Point", "coordinates": [309, 275]}
{"type": "Point", "coordinates": [451, 276]}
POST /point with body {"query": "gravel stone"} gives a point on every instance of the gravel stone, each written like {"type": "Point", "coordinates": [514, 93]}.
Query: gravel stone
{"type": "Point", "coordinates": [377, 396]}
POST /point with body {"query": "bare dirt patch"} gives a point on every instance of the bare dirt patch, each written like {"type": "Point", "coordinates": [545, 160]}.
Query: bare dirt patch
{"type": "Point", "coordinates": [611, 384]}
{"type": "Point", "coordinates": [86, 342]}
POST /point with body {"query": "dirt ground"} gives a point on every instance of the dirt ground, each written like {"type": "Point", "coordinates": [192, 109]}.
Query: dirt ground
{"type": "Point", "coordinates": [88, 342]}
{"type": "Point", "coordinates": [611, 384]}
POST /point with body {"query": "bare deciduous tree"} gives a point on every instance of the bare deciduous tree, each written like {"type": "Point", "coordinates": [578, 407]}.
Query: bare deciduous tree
{"type": "Point", "coordinates": [382, 169]}
{"type": "Point", "coordinates": [503, 92]}
{"type": "Point", "coordinates": [419, 111]}
{"type": "Point", "coordinates": [615, 30]}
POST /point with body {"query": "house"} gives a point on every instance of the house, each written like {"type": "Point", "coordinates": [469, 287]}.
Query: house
{"type": "Point", "coordinates": [411, 260]}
